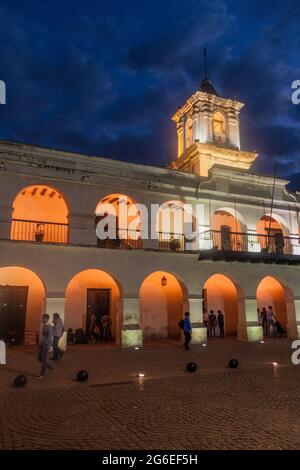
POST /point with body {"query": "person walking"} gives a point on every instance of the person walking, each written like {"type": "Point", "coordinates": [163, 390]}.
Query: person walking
{"type": "Point", "coordinates": [221, 323]}
{"type": "Point", "coordinates": [109, 325]}
{"type": "Point", "coordinates": [93, 328]}
{"type": "Point", "coordinates": [212, 323]}
{"type": "Point", "coordinates": [205, 321]}
{"type": "Point", "coordinates": [259, 319]}
{"type": "Point", "coordinates": [106, 327]}
{"type": "Point", "coordinates": [45, 343]}
{"type": "Point", "coordinates": [58, 330]}
{"type": "Point", "coordinates": [264, 324]}
{"type": "Point", "coordinates": [271, 320]}
{"type": "Point", "coordinates": [187, 330]}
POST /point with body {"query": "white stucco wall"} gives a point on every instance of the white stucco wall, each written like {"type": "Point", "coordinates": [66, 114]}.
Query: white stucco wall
{"type": "Point", "coordinates": [85, 181]}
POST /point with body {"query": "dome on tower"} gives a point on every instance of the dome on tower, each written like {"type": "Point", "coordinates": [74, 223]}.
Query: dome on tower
{"type": "Point", "coordinates": [207, 87]}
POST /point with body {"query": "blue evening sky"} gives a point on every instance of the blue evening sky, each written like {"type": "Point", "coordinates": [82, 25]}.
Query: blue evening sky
{"type": "Point", "coordinates": [104, 77]}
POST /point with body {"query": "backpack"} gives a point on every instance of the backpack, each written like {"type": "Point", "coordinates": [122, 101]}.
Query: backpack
{"type": "Point", "coordinates": [181, 324]}
{"type": "Point", "coordinates": [79, 337]}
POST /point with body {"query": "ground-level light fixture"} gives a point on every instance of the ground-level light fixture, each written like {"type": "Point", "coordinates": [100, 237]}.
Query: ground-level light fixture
{"type": "Point", "coordinates": [164, 281]}
{"type": "Point", "coordinates": [262, 342]}
{"type": "Point", "coordinates": [275, 364]}
{"type": "Point", "coordinates": [136, 348]}
{"type": "Point", "coordinates": [204, 344]}
{"type": "Point", "coordinates": [141, 375]}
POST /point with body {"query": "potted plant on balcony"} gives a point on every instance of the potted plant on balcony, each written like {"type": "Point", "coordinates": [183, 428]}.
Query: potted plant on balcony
{"type": "Point", "coordinates": [174, 244]}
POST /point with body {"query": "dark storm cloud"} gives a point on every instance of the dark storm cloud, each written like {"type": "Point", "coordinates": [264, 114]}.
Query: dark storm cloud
{"type": "Point", "coordinates": [263, 75]}
{"type": "Point", "coordinates": [105, 77]}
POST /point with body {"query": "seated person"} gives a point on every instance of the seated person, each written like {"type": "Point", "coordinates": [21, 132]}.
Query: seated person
{"type": "Point", "coordinates": [13, 336]}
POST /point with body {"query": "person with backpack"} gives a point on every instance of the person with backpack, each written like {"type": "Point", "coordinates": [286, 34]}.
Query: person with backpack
{"type": "Point", "coordinates": [186, 326]}
{"type": "Point", "coordinates": [58, 330]}
{"type": "Point", "coordinates": [80, 337]}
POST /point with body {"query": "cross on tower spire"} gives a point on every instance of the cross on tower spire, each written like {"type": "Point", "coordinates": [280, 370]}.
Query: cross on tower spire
{"type": "Point", "coordinates": [205, 63]}
{"type": "Point", "coordinates": [206, 84]}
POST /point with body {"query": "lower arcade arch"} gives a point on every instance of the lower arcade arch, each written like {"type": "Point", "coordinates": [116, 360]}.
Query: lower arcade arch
{"type": "Point", "coordinates": [271, 292]}
{"type": "Point", "coordinates": [221, 294]}
{"type": "Point", "coordinates": [163, 301]}
{"type": "Point", "coordinates": [22, 303]}
{"type": "Point", "coordinates": [91, 296]}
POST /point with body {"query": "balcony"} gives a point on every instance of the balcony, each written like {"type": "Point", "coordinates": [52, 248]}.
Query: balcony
{"type": "Point", "coordinates": [131, 239]}
{"type": "Point", "coordinates": [171, 241]}
{"type": "Point", "coordinates": [126, 239]}
{"type": "Point", "coordinates": [39, 231]}
{"type": "Point", "coordinates": [237, 246]}
{"type": "Point", "coordinates": [212, 244]}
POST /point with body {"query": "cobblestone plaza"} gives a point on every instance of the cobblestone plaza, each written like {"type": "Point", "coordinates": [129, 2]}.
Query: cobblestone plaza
{"type": "Point", "coordinates": [253, 407]}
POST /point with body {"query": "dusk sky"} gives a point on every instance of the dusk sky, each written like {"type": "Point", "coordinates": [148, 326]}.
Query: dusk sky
{"type": "Point", "coordinates": [104, 77]}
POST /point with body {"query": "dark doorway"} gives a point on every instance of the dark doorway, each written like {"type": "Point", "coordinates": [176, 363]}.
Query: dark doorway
{"type": "Point", "coordinates": [13, 302]}
{"type": "Point", "coordinates": [225, 237]}
{"type": "Point", "coordinates": [276, 240]}
{"type": "Point", "coordinates": [98, 304]}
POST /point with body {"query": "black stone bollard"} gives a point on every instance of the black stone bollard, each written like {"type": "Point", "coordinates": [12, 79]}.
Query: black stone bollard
{"type": "Point", "coordinates": [233, 363]}
{"type": "Point", "coordinates": [82, 376]}
{"type": "Point", "coordinates": [20, 381]}
{"type": "Point", "coordinates": [191, 367]}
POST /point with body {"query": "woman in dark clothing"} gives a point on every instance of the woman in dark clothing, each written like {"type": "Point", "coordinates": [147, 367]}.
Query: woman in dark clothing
{"type": "Point", "coordinates": [221, 323]}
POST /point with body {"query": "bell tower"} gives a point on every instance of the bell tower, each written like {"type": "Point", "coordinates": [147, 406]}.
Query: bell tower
{"type": "Point", "coordinates": [208, 132]}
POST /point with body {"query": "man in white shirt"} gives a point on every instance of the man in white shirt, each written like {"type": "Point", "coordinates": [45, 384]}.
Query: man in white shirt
{"type": "Point", "coordinates": [58, 330]}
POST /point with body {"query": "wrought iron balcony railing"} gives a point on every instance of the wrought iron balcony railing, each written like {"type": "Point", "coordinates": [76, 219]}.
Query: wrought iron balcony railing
{"type": "Point", "coordinates": [216, 244]}
{"type": "Point", "coordinates": [131, 239]}
{"type": "Point", "coordinates": [171, 241]}
{"type": "Point", "coordinates": [126, 239]}
{"type": "Point", "coordinates": [39, 231]}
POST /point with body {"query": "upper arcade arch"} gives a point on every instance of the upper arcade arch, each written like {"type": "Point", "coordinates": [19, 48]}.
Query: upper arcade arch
{"type": "Point", "coordinates": [40, 213]}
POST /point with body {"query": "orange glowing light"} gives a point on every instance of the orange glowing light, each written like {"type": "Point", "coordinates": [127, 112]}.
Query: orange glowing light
{"type": "Point", "coordinates": [76, 309]}
{"type": "Point", "coordinates": [162, 306]}
{"type": "Point", "coordinates": [13, 276]}
{"type": "Point", "coordinates": [221, 294]}
{"type": "Point", "coordinates": [40, 214]}
{"type": "Point", "coordinates": [271, 292]}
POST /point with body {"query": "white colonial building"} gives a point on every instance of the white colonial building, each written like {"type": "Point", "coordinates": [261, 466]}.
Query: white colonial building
{"type": "Point", "coordinates": [244, 255]}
